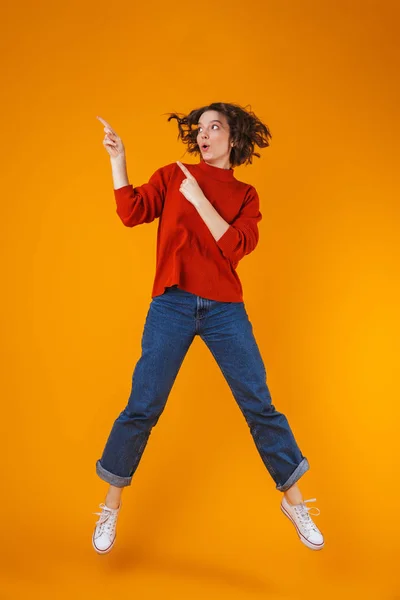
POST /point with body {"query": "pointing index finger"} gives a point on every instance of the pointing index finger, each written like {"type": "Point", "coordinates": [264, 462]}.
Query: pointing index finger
{"type": "Point", "coordinates": [185, 170]}
{"type": "Point", "coordinates": [106, 124]}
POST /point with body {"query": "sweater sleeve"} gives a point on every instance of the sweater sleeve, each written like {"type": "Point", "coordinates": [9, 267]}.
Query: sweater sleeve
{"type": "Point", "coordinates": [242, 235]}
{"type": "Point", "coordinates": [143, 203]}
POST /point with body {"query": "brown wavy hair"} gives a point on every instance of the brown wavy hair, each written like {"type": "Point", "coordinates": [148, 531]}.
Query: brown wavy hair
{"type": "Point", "coordinates": [246, 131]}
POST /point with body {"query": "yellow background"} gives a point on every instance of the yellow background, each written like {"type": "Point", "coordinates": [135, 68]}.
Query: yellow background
{"type": "Point", "coordinates": [202, 518]}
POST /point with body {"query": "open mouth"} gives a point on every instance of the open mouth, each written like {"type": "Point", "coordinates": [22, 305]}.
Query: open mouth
{"type": "Point", "coordinates": [205, 147]}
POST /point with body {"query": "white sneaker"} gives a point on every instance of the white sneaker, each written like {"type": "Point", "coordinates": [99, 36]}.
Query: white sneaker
{"type": "Point", "coordinates": [306, 529]}
{"type": "Point", "coordinates": [104, 535]}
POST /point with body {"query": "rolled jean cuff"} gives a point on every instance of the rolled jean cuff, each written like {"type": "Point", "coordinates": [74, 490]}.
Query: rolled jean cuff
{"type": "Point", "coordinates": [116, 480]}
{"type": "Point", "coordinates": [295, 476]}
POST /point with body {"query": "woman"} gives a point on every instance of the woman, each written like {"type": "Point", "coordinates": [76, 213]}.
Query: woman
{"type": "Point", "coordinates": [208, 223]}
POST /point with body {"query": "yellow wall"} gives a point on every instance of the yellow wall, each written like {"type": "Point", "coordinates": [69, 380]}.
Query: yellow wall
{"type": "Point", "coordinates": [201, 519]}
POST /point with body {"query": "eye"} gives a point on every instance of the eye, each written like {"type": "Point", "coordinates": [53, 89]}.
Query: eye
{"type": "Point", "coordinates": [200, 128]}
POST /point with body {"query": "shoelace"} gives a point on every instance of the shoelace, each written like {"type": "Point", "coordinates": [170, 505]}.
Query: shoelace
{"type": "Point", "coordinates": [107, 519]}
{"type": "Point", "coordinates": [302, 511]}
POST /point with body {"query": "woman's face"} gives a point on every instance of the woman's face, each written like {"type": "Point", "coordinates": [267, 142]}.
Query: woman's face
{"type": "Point", "coordinates": [213, 130]}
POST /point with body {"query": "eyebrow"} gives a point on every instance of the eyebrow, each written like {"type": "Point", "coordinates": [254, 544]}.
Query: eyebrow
{"type": "Point", "coordinates": [213, 121]}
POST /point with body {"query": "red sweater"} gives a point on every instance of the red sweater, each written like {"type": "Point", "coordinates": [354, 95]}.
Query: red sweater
{"type": "Point", "coordinates": [187, 252]}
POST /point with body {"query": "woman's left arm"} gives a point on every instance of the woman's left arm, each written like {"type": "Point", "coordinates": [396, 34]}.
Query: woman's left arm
{"type": "Point", "coordinates": [240, 237]}
{"type": "Point", "coordinates": [235, 239]}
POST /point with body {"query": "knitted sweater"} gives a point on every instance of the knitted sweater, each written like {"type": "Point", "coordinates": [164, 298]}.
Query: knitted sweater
{"type": "Point", "coordinates": [187, 253]}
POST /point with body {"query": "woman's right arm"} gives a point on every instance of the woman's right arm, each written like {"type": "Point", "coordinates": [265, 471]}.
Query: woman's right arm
{"type": "Point", "coordinates": [119, 172]}
{"type": "Point", "coordinates": [135, 205]}
{"type": "Point", "coordinates": [115, 148]}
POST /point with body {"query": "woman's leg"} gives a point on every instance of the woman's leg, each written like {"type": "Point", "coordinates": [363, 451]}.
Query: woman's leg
{"type": "Point", "coordinates": [113, 497]}
{"type": "Point", "coordinates": [228, 333]}
{"type": "Point", "coordinates": [167, 336]}
{"type": "Point", "coordinates": [293, 495]}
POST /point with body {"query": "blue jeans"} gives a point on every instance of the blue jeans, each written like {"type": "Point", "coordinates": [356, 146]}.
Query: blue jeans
{"type": "Point", "coordinates": [173, 319]}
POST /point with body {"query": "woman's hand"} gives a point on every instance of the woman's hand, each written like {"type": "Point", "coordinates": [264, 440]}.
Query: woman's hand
{"type": "Point", "coordinates": [190, 188]}
{"type": "Point", "coordinates": [112, 142]}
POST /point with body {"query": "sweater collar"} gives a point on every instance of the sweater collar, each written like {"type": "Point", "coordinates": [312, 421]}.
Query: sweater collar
{"type": "Point", "coordinates": [217, 172]}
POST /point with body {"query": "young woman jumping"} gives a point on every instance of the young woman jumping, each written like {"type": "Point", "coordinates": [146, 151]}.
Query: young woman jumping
{"type": "Point", "coordinates": [207, 224]}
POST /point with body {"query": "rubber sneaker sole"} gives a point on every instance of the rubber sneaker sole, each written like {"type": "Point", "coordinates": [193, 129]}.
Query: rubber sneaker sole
{"type": "Point", "coordinates": [103, 551]}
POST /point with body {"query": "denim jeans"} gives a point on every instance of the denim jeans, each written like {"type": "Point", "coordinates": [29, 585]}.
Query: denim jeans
{"type": "Point", "coordinates": [172, 321]}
